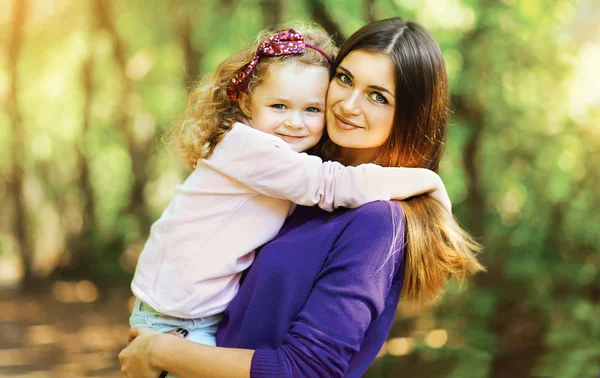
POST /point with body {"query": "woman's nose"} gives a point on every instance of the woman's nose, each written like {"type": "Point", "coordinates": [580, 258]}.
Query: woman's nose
{"type": "Point", "coordinates": [350, 104]}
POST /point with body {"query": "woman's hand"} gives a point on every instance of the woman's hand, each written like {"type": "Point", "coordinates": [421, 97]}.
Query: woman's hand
{"type": "Point", "coordinates": [135, 358]}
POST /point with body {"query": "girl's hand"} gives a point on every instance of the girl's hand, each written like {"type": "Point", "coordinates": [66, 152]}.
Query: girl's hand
{"type": "Point", "coordinates": [135, 332]}
{"type": "Point", "coordinates": [407, 182]}
{"type": "Point", "coordinates": [441, 195]}
{"type": "Point", "coordinates": [135, 358]}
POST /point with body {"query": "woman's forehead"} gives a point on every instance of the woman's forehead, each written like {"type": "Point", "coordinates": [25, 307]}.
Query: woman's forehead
{"type": "Point", "coordinates": [370, 69]}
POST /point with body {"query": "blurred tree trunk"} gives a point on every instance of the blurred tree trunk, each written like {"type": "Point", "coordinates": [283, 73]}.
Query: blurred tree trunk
{"type": "Point", "coordinates": [369, 9]}
{"type": "Point", "coordinates": [16, 181]}
{"type": "Point", "coordinates": [139, 152]}
{"type": "Point", "coordinates": [192, 56]}
{"type": "Point", "coordinates": [470, 110]}
{"type": "Point", "coordinates": [85, 183]}
{"type": "Point", "coordinates": [469, 107]}
{"type": "Point", "coordinates": [521, 335]}
{"type": "Point", "coordinates": [319, 15]}
{"type": "Point", "coordinates": [81, 244]}
{"type": "Point", "coordinates": [184, 23]}
{"type": "Point", "coordinates": [520, 329]}
{"type": "Point", "coordinates": [272, 12]}
{"type": "Point", "coordinates": [226, 4]}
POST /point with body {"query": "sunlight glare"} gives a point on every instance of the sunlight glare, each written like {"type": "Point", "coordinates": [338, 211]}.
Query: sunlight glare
{"type": "Point", "coordinates": [86, 291]}
{"type": "Point", "coordinates": [399, 346]}
{"type": "Point", "coordinates": [584, 89]}
{"type": "Point", "coordinates": [437, 338]}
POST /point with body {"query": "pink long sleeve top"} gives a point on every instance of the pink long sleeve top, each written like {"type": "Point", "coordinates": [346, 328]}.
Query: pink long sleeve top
{"type": "Point", "coordinates": [232, 203]}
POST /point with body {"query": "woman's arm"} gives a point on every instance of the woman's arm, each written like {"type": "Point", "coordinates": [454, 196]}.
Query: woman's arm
{"type": "Point", "coordinates": [177, 356]}
{"type": "Point", "coordinates": [268, 165]}
{"type": "Point", "coordinates": [152, 352]}
{"type": "Point", "coordinates": [350, 292]}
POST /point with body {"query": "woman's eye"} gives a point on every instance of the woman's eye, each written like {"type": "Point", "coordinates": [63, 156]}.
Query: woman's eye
{"type": "Point", "coordinates": [344, 78]}
{"type": "Point", "coordinates": [312, 109]}
{"type": "Point", "coordinates": [278, 106]}
{"type": "Point", "coordinates": [379, 98]}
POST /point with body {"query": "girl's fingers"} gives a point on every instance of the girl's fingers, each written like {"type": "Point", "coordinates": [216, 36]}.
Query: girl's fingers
{"type": "Point", "coordinates": [179, 332]}
{"type": "Point", "coordinates": [133, 333]}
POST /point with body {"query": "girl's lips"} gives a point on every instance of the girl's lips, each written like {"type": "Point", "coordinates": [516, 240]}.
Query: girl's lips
{"type": "Point", "coordinates": [344, 125]}
{"type": "Point", "coordinates": [290, 139]}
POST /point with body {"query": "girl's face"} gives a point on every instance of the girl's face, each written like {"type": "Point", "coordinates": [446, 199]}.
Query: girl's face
{"type": "Point", "coordinates": [290, 104]}
{"type": "Point", "coordinates": [360, 105]}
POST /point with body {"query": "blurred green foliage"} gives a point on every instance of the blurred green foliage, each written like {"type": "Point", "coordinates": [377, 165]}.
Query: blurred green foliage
{"type": "Point", "coordinates": [90, 88]}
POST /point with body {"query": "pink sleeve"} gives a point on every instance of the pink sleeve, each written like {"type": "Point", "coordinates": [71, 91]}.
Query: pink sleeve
{"type": "Point", "coordinates": [268, 165]}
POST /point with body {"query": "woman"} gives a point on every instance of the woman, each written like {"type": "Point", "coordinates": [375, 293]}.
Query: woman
{"type": "Point", "coordinates": [320, 298]}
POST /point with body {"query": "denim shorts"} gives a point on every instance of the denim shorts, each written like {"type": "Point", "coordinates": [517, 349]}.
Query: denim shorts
{"type": "Point", "coordinates": [202, 330]}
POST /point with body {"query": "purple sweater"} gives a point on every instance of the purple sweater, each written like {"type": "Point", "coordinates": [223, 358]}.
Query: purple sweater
{"type": "Point", "coordinates": [320, 298]}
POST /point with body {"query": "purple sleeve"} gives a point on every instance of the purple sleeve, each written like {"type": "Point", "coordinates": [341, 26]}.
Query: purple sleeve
{"type": "Point", "coordinates": [348, 294]}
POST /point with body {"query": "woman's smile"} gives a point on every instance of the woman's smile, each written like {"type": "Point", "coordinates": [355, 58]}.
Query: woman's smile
{"type": "Point", "coordinates": [344, 124]}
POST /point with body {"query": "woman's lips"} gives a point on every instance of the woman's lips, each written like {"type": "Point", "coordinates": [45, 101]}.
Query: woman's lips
{"type": "Point", "coordinates": [345, 125]}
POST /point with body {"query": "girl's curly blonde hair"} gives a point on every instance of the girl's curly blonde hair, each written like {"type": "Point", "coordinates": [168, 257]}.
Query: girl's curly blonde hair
{"type": "Point", "coordinates": [210, 113]}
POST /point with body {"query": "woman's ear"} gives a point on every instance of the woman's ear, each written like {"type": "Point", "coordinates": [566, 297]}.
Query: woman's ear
{"type": "Point", "coordinates": [244, 102]}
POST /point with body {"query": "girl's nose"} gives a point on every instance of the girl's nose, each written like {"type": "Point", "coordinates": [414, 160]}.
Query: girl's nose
{"type": "Point", "coordinates": [295, 121]}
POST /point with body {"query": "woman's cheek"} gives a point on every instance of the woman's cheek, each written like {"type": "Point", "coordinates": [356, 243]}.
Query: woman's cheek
{"type": "Point", "coordinates": [385, 122]}
{"type": "Point", "coordinates": [334, 93]}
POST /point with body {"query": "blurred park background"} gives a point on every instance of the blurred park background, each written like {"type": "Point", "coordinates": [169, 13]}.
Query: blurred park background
{"type": "Point", "coordinates": [89, 87]}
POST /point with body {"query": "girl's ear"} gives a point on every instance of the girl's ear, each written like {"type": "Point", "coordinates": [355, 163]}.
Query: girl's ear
{"type": "Point", "coordinates": [244, 102]}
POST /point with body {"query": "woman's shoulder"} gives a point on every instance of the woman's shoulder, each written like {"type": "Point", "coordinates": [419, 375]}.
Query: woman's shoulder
{"type": "Point", "coordinates": [377, 229]}
{"type": "Point", "coordinates": [385, 217]}
{"type": "Point", "coordinates": [379, 211]}
{"type": "Point", "coordinates": [377, 222]}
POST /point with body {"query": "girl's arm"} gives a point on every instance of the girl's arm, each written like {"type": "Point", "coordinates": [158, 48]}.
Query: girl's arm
{"type": "Point", "coordinates": [268, 165]}
{"type": "Point", "coordinates": [349, 293]}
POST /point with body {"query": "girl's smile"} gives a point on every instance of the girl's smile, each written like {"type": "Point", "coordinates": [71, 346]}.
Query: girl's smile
{"type": "Point", "coordinates": [290, 104]}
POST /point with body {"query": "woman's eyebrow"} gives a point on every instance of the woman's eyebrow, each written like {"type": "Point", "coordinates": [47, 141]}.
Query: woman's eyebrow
{"type": "Point", "coordinates": [376, 87]}
{"type": "Point", "coordinates": [348, 73]}
{"type": "Point", "coordinates": [381, 89]}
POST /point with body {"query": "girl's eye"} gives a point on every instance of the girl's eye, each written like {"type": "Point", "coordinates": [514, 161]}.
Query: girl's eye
{"type": "Point", "coordinates": [278, 106]}
{"type": "Point", "coordinates": [379, 98]}
{"type": "Point", "coordinates": [344, 78]}
{"type": "Point", "coordinates": [312, 109]}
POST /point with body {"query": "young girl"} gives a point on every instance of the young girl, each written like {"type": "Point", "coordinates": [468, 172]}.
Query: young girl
{"type": "Point", "coordinates": [245, 178]}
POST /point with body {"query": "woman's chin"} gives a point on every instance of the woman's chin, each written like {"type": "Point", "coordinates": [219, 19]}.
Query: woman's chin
{"type": "Point", "coordinates": [346, 141]}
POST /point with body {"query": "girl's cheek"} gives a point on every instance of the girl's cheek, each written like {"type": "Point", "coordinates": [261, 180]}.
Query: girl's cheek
{"type": "Point", "coordinates": [319, 127]}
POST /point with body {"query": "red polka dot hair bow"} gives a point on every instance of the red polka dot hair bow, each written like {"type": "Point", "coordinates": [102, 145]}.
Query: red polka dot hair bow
{"type": "Point", "coordinates": [289, 42]}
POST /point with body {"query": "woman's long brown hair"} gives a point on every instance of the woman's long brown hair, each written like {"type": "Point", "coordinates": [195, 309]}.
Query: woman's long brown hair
{"type": "Point", "coordinates": [437, 248]}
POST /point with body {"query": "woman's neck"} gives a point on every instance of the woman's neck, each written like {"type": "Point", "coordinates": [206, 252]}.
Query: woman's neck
{"type": "Point", "coordinates": [356, 156]}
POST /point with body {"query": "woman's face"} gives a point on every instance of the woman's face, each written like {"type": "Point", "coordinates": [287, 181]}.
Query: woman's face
{"type": "Point", "coordinates": [360, 105]}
